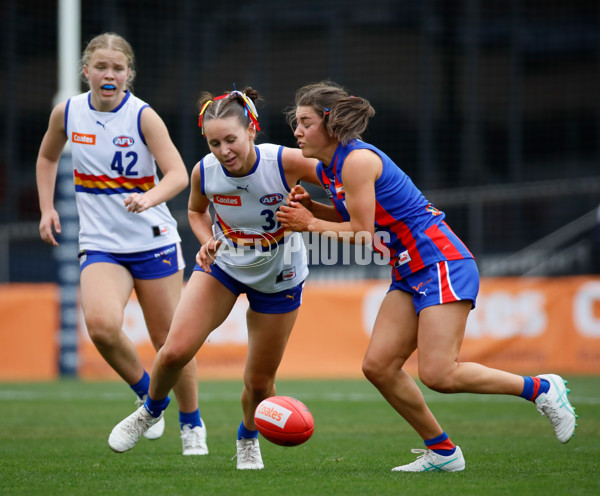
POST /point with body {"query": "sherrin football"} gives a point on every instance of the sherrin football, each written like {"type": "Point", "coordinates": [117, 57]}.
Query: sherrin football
{"type": "Point", "coordinates": [284, 420]}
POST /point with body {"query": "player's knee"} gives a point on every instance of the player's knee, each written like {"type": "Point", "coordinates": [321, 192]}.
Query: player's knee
{"type": "Point", "coordinates": [103, 331]}
{"type": "Point", "coordinates": [375, 370]}
{"type": "Point", "coordinates": [436, 378]}
{"type": "Point", "coordinates": [173, 358]}
{"type": "Point", "coordinates": [370, 370]}
{"type": "Point", "coordinates": [258, 386]}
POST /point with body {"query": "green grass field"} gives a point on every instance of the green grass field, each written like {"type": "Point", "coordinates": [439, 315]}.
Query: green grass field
{"type": "Point", "coordinates": [53, 441]}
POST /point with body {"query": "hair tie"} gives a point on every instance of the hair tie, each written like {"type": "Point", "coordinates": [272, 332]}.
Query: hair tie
{"type": "Point", "coordinates": [247, 103]}
{"type": "Point", "coordinates": [201, 116]}
{"type": "Point", "coordinates": [249, 107]}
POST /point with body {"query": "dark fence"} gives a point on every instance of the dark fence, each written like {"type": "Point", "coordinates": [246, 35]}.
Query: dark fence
{"type": "Point", "coordinates": [492, 107]}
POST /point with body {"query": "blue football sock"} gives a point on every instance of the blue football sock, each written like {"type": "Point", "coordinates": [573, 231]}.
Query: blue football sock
{"type": "Point", "coordinates": [244, 433]}
{"type": "Point", "coordinates": [141, 387]}
{"type": "Point", "coordinates": [191, 419]}
{"type": "Point", "coordinates": [156, 407]}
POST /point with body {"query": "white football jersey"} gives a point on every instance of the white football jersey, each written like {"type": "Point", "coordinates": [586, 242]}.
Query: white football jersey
{"type": "Point", "coordinates": [255, 249]}
{"type": "Point", "coordinates": [111, 161]}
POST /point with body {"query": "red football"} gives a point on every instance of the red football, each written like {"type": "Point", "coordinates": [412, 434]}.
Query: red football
{"type": "Point", "coordinates": [284, 421]}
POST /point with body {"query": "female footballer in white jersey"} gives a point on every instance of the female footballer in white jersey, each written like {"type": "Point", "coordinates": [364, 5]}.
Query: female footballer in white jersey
{"type": "Point", "coordinates": [244, 250]}
{"type": "Point", "coordinates": [128, 238]}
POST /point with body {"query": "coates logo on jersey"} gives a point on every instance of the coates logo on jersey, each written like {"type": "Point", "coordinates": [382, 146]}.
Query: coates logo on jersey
{"type": "Point", "coordinates": [123, 141]}
{"type": "Point", "coordinates": [272, 199]}
{"type": "Point", "coordinates": [83, 139]}
{"type": "Point", "coordinates": [232, 201]}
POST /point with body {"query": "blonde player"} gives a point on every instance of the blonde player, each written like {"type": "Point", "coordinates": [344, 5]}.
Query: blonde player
{"type": "Point", "coordinates": [128, 238]}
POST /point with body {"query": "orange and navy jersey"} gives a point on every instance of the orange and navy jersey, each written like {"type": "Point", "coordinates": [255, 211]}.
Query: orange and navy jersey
{"type": "Point", "coordinates": [412, 229]}
{"type": "Point", "coordinates": [110, 162]}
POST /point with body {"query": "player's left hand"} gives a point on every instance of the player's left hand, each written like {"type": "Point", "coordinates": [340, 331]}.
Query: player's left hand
{"type": "Point", "coordinates": [137, 203]}
{"type": "Point", "coordinates": [294, 216]}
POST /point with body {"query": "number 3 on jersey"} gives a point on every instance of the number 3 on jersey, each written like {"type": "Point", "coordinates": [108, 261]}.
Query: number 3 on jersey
{"type": "Point", "coordinates": [270, 219]}
{"type": "Point", "coordinates": [130, 159]}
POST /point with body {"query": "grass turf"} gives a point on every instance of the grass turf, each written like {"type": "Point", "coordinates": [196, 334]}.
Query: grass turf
{"type": "Point", "coordinates": [53, 441]}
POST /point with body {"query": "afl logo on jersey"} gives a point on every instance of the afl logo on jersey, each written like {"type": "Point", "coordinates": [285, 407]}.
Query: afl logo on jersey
{"type": "Point", "coordinates": [271, 199]}
{"type": "Point", "coordinates": [123, 141]}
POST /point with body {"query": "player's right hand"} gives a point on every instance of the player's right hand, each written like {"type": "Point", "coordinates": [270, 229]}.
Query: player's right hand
{"type": "Point", "coordinates": [50, 220]}
{"type": "Point", "coordinates": [208, 254]}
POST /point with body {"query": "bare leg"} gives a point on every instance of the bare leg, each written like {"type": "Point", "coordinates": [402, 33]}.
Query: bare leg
{"type": "Point", "coordinates": [203, 307]}
{"type": "Point", "coordinates": [394, 339]}
{"type": "Point", "coordinates": [158, 299]}
{"type": "Point", "coordinates": [438, 332]}
{"type": "Point", "coordinates": [105, 290]}
{"type": "Point", "coordinates": [268, 335]}
{"type": "Point", "coordinates": [441, 332]}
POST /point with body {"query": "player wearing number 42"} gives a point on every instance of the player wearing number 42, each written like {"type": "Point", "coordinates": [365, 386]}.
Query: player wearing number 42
{"type": "Point", "coordinates": [127, 237]}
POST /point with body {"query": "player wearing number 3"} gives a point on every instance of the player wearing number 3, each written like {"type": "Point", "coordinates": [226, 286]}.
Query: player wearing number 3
{"type": "Point", "coordinates": [127, 238]}
{"type": "Point", "coordinates": [244, 250]}
{"type": "Point", "coordinates": [434, 277]}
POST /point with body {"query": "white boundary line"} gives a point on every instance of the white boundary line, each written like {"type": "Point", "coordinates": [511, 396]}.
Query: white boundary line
{"type": "Point", "coordinates": [23, 395]}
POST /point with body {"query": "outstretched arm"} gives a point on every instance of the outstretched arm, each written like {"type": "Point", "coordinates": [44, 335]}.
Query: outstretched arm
{"type": "Point", "coordinates": [361, 170]}
{"type": "Point", "coordinates": [299, 168]}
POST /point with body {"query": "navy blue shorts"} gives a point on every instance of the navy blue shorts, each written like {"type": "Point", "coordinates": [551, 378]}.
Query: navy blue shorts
{"type": "Point", "coordinates": [443, 282]}
{"type": "Point", "coordinates": [151, 264]}
{"type": "Point", "coordinates": [281, 302]}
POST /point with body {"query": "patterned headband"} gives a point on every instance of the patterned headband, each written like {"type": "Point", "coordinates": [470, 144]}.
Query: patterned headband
{"type": "Point", "coordinates": [249, 108]}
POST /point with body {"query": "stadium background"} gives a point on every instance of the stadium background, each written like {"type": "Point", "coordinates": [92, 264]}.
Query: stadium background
{"type": "Point", "coordinates": [492, 108]}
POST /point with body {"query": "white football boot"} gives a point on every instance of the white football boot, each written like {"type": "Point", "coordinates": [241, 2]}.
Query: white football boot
{"type": "Point", "coordinates": [248, 455]}
{"type": "Point", "coordinates": [193, 440]}
{"type": "Point", "coordinates": [430, 461]}
{"type": "Point", "coordinates": [556, 406]}
{"type": "Point", "coordinates": [127, 433]}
